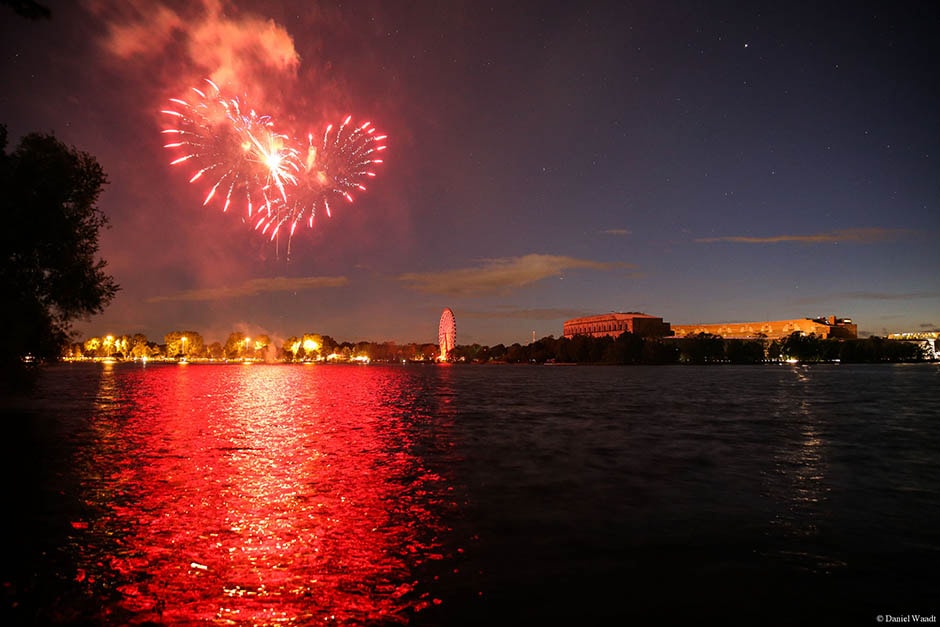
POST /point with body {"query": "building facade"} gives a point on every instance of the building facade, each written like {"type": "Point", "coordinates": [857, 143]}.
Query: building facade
{"type": "Point", "coordinates": [830, 327]}
{"type": "Point", "coordinates": [614, 323]}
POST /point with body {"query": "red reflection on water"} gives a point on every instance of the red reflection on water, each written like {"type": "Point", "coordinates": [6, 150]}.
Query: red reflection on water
{"type": "Point", "coordinates": [263, 495]}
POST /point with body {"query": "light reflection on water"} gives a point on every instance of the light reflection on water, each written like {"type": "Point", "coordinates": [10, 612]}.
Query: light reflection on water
{"type": "Point", "coordinates": [798, 479]}
{"type": "Point", "coordinates": [477, 495]}
{"type": "Point", "coordinates": [261, 495]}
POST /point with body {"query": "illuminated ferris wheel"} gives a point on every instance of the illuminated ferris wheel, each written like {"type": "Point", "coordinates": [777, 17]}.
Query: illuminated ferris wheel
{"type": "Point", "coordinates": [447, 334]}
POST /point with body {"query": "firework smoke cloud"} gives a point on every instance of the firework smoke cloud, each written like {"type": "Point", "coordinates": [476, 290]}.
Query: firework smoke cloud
{"type": "Point", "coordinates": [223, 125]}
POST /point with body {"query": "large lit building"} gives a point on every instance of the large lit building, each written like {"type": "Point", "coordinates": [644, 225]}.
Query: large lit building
{"type": "Point", "coordinates": [613, 324]}
{"type": "Point", "coordinates": [831, 327]}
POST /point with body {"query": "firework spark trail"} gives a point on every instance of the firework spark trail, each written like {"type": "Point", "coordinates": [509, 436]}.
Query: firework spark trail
{"type": "Point", "coordinates": [331, 169]}
{"type": "Point", "coordinates": [240, 149]}
{"type": "Point", "coordinates": [245, 156]}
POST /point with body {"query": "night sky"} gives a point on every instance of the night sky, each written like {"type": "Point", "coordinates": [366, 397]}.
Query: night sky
{"type": "Point", "coordinates": [698, 161]}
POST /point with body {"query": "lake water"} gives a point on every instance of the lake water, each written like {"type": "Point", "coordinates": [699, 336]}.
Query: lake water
{"type": "Point", "coordinates": [472, 495]}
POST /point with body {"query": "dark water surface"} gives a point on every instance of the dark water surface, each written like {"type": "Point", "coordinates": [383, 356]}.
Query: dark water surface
{"type": "Point", "coordinates": [472, 495]}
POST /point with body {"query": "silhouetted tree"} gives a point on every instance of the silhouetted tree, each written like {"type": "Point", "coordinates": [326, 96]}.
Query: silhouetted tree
{"type": "Point", "coordinates": [775, 350]}
{"type": "Point", "coordinates": [28, 9]}
{"type": "Point", "coordinates": [541, 350]}
{"type": "Point", "coordinates": [744, 351]}
{"type": "Point", "coordinates": [877, 349]}
{"type": "Point", "coordinates": [702, 348]}
{"type": "Point", "coordinates": [805, 348]}
{"type": "Point", "coordinates": [517, 353]}
{"type": "Point", "coordinates": [498, 352]}
{"type": "Point", "coordinates": [627, 348]}
{"type": "Point", "coordinates": [50, 273]}
{"type": "Point", "coordinates": [656, 351]}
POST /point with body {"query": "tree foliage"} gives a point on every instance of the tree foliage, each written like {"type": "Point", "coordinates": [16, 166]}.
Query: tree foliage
{"type": "Point", "coordinates": [627, 348]}
{"type": "Point", "coordinates": [184, 344]}
{"type": "Point", "coordinates": [51, 273]}
{"type": "Point", "coordinates": [237, 346]}
{"type": "Point", "coordinates": [29, 9]}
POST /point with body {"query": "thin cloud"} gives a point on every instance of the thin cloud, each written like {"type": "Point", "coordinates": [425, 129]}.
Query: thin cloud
{"type": "Point", "coordinates": [499, 275]}
{"type": "Point", "coordinates": [254, 287]}
{"type": "Point", "coordinates": [620, 232]}
{"type": "Point", "coordinates": [865, 235]}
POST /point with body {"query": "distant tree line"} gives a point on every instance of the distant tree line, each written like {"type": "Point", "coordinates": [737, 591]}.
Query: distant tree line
{"type": "Point", "coordinates": [703, 348]}
{"type": "Point", "coordinates": [190, 345]}
{"type": "Point", "coordinates": [627, 348]}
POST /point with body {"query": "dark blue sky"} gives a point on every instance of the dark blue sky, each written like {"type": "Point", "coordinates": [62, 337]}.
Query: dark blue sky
{"type": "Point", "coordinates": [699, 161]}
